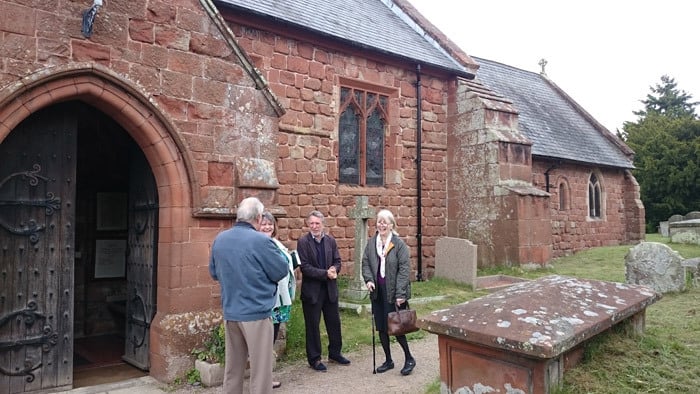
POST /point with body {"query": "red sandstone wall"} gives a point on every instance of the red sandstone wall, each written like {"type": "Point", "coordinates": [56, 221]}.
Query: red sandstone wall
{"type": "Point", "coordinates": [490, 199]}
{"type": "Point", "coordinates": [165, 73]}
{"type": "Point", "coordinates": [306, 77]}
{"type": "Point", "coordinates": [169, 55]}
{"type": "Point", "coordinates": [572, 229]}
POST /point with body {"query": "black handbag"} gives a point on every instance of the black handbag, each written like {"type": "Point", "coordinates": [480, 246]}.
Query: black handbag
{"type": "Point", "coordinates": [401, 322]}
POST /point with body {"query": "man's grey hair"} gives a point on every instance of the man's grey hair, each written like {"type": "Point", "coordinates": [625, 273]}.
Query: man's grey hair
{"type": "Point", "coordinates": [318, 214]}
{"type": "Point", "coordinates": [249, 210]}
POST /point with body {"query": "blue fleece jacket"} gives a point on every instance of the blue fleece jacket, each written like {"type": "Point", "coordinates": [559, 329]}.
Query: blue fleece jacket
{"type": "Point", "coordinates": [248, 266]}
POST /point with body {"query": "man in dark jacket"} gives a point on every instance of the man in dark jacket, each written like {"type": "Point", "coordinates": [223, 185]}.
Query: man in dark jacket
{"type": "Point", "coordinates": [320, 265]}
{"type": "Point", "coordinates": [248, 265]}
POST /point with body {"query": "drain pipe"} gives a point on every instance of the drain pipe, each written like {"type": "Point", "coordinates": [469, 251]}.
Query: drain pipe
{"type": "Point", "coordinates": [419, 175]}
{"type": "Point", "coordinates": [546, 175]}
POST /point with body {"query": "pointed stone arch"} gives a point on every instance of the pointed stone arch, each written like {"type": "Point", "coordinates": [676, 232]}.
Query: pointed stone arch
{"type": "Point", "coordinates": [564, 193]}
{"type": "Point", "coordinates": [596, 196]}
{"type": "Point", "coordinates": [131, 108]}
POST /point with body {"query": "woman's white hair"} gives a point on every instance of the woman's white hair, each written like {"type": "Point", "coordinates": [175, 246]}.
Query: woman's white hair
{"type": "Point", "coordinates": [387, 216]}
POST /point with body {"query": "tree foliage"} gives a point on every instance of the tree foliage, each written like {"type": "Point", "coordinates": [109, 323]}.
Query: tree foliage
{"type": "Point", "coordinates": [666, 141]}
{"type": "Point", "coordinates": [665, 99]}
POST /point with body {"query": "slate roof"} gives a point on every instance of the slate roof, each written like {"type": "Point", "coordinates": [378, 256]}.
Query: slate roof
{"type": "Point", "coordinates": [378, 25]}
{"type": "Point", "coordinates": [557, 126]}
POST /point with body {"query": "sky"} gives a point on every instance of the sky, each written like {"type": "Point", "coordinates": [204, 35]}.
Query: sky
{"type": "Point", "coordinates": [604, 54]}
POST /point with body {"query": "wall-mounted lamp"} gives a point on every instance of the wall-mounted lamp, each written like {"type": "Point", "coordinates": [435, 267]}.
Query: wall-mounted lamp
{"type": "Point", "coordinates": [89, 18]}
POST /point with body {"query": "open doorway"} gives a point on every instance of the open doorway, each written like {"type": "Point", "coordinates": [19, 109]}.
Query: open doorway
{"type": "Point", "coordinates": [78, 231]}
{"type": "Point", "coordinates": [115, 253]}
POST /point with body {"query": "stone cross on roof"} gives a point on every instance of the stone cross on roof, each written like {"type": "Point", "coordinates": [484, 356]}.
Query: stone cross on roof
{"type": "Point", "coordinates": [543, 63]}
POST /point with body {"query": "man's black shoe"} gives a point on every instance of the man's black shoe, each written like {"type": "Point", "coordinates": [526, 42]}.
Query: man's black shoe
{"type": "Point", "coordinates": [408, 366]}
{"type": "Point", "coordinates": [385, 367]}
{"type": "Point", "coordinates": [319, 366]}
{"type": "Point", "coordinates": [339, 359]}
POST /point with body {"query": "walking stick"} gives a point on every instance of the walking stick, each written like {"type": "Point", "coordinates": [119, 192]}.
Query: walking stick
{"type": "Point", "coordinates": [374, 350]}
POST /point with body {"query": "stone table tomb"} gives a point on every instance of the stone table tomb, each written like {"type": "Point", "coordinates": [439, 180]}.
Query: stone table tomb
{"type": "Point", "coordinates": [521, 339]}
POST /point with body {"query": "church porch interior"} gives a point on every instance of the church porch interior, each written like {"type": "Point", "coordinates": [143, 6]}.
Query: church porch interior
{"type": "Point", "coordinates": [104, 149]}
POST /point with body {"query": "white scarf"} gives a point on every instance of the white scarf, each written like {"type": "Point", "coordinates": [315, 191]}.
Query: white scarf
{"type": "Point", "coordinates": [286, 287]}
{"type": "Point", "coordinates": [382, 251]}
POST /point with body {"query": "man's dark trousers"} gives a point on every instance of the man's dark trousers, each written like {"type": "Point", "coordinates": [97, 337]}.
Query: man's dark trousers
{"type": "Point", "coordinates": [331, 318]}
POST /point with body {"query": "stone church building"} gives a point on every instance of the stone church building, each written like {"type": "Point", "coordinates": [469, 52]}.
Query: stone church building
{"type": "Point", "coordinates": [129, 130]}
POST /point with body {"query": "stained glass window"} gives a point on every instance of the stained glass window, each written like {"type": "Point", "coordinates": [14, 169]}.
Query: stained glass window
{"type": "Point", "coordinates": [375, 150]}
{"type": "Point", "coordinates": [349, 153]}
{"type": "Point", "coordinates": [361, 137]}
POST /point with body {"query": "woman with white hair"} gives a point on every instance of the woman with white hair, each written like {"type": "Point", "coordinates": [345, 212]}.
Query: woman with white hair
{"type": "Point", "coordinates": [386, 269]}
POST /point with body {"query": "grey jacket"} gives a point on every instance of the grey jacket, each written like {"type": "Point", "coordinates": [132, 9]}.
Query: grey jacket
{"type": "Point", "coordinates": [397, 270]}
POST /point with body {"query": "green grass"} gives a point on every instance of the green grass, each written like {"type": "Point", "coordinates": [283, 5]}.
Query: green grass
{"type": "Point", "coordinates": [357, 330]}
{"type": "Point", "coordinates": [665, 359]}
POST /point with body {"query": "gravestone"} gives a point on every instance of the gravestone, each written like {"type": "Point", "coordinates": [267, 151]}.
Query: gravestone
{"type": "Point", "coordinates": [663, 228]}
{"type": "Point", "coordinates": [655, 265]}
{"type": "Point", "coordinates": [356, 290]}
{"type": "Point", "coordinates": [455, 259]}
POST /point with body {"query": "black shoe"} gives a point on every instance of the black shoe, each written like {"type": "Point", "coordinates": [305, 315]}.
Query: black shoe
{"type": "Point", "coordinates": [408, 366]}
{"type": "Point", "coordinates": [319, 366]}
{"type": "Point", "coordinates": [385, 367]}
{"type": "Point", "coordinates": [339, 359]}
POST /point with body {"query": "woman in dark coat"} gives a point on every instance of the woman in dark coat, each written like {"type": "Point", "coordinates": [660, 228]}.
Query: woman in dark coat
{"type": "Point", "coordinates": [386, 269]}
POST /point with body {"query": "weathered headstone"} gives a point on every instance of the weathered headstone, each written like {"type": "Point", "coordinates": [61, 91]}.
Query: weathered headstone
{"type": "Point", "coordinates": [655, 265]}
{"type": "Point", "coordinates": [663, 228]}
{"type": "Point", "coordinates": [455, 259]}
{"type": "Point", "coordinates": [356, 290]}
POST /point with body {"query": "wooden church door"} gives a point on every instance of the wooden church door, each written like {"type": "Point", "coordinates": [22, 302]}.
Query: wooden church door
{"type": "Point", "coordinates": [37, 216]}
{"type": "Point", "coordinates": [141, 260]}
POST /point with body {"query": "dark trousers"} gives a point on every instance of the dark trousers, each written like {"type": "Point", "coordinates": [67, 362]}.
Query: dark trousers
{"type": "Point", "coordinates": [312, 320]}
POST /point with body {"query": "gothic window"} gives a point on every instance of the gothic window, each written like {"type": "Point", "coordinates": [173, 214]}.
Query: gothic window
{"type": "Point", "coordinates": [363, 119]}
{"type": "Point", "coordinates": [594, 197]}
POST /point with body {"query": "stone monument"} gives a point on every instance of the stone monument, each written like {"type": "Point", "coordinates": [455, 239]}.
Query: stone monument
{"type": "Point", "coordinates": [655, 265]}
{"type": "Point", "coordinates": [356, 290]}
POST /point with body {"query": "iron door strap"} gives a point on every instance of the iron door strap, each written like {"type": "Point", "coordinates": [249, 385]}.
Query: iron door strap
{"type": "Point", "coordinates": [46, 340]}
{"type": "Point", "coordinates": [51, 203]}
{"type": "Point", "coordinates": [143, 323]}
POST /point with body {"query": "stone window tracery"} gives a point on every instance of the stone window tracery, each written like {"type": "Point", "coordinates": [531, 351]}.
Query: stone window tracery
{"type": "Point", "coordinates": [594, 197]}
{"type": "Point", "coordinates": [361, 126]}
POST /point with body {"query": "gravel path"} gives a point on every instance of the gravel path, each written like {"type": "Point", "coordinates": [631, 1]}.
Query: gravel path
{"type": "Point", "coordinates": [357, 377]}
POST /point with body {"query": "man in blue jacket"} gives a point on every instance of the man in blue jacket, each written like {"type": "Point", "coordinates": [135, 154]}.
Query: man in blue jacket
{"type": "Point", "coordinates": [248, 265]}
